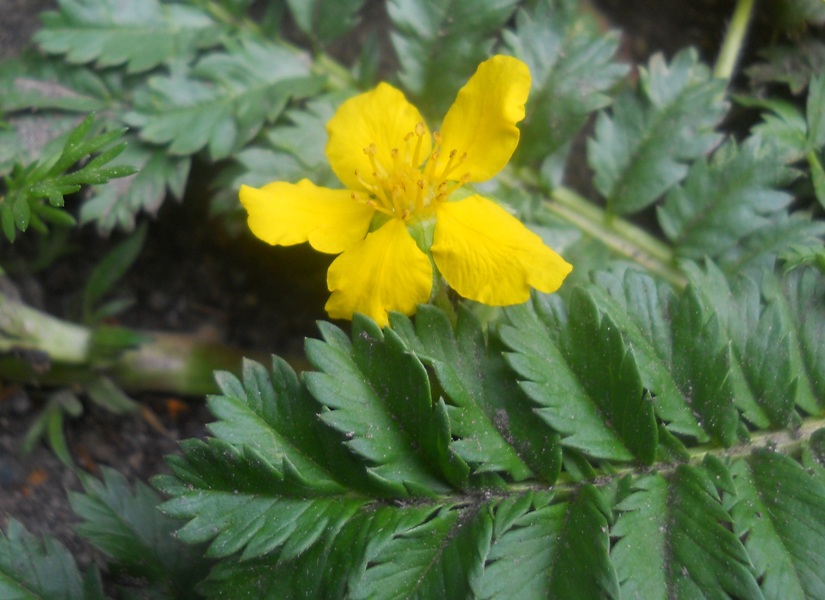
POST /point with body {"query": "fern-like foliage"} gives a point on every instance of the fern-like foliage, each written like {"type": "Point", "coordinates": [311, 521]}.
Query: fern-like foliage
{"type": "Point", "coordinates": [424, 460]}
{"type": "Point", "coordinates": [42, 569]}
{"type": "Point", "coordinates": [640, 151]}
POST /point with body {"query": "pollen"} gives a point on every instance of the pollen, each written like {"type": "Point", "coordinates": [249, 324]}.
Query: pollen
{"type": "Point", "coordinates": [413, 182]}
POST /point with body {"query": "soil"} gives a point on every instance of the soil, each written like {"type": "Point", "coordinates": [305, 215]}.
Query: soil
{"type": "Point", "coordinates": [253, 296]}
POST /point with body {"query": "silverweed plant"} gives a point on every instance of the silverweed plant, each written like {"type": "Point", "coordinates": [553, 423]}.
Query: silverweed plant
{"type": "Point", "coordinates": [539, 386]}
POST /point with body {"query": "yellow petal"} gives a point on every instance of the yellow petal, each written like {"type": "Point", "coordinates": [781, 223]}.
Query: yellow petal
{"type": "Point", "coordinates": [383, 117]}
{"type": "Point", "coordinates": [384, 272]}
{"type": "Point", "coordinates": [482, 121]}
{"type": "Point", "coordinates": [285, 214]}
{"type": "Point", "coordinates": [488, 255]}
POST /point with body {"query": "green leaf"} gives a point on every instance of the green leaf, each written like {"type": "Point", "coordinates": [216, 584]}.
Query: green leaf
{"type": "Point", "coordinates": [640, 306]}
{"type": "Point", "coordinates": [378, 394]}
{"type": "Point", "coordinates": [492, 419]}
{"type": "Point", "coordinates": [274, 415]}
{"type": "Point", "coordinates": [159, 176]}
{"type": "Point", "coordinates": [439, 45]}
{"type": "Point", "coordinates": [27, 83]}
{"type": "Point", "coordinates": [140, 35]}
{"type": "Point", "coordinates": [799, 255]}
{"type": "Point", "coordinates": [723, 202]}
{"type": "Point", "coordinates": [761, 249]}
{"type": "Point", "coordinates": [33, 569]}
{"type": "Point", "coordinates": [245, 504]}
{"type": "Point", "coordinates": [434, 558]}
{"type": "Point", "coordinates": [701, 367]}
{"type": "Point", "coordinates": [815, 112]}
{"type": "Point", "coordinates": [641, 151]}
{"type": "Point", "coordinates": [223, 102]}
{"type": "Point", "coordinates": [586, 381]}
{"type": "Point", "coordinates": [325, 20]}
{"type": "Point", "coordinates": [571, 66]}
{"type": "Point", "coordinates": [320, 572]}
{"type": "Point", "coordinates": [674, 541]}
{"type": "Point", "coordinates": [137, 538]}
{"type": "Point", "coordinates": [294, 149]}
{"type": "Point", "coordinates": [793, 64]}
{"type": "Point", "coordinates": [780, 515]}
{"type": "Point", "coordinates": [49, 177]}
{"type": "Point", "coordinates": [783, 126]}
{"type": "Point", "coordinates": [556, 551]}
{"type": "Point", "coordinates": [805, 292]}
{"type": "Point", "coordinates": [110, 270]}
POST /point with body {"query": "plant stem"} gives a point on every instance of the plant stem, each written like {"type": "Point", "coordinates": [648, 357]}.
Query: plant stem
{"type": "Point", "coordinates": [734, 38]}
{"type": "Point", "coordinates": [619, 235]}
{"type": "Point", "coordinates": [38, 348]}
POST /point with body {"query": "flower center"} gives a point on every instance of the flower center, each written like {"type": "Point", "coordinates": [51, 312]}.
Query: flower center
{"type": "Point", "coordinates": [405, 188]}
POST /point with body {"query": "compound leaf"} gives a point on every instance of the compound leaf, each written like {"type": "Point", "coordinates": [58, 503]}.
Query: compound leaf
{"type": "Point", "coordinates": [223, 101]}
{"type": "Point", "coordinates": [780, 515]}
{"type": "Point", "coordinates": [586, 381]}
{"type": "Point", "coordinates": [141, 35]}
{"type": "Point", "coordinates": [489, 414]}
{"type": "Point", "coordinates": [439, 44]}
{"type": "Point", "coordinates": [138, 539]}
{"type": "Point", "coordinates": [555, 551]}
{"type": "Point", "coordinates": [35, 569]}
{"type": "Point", "coordinates": [571, 66]}
{"type": "Point", "coordinates": [159, 177]}
{"type": "Point", "coordinates": [325, 20]}
{"type": "Point", "coordinates": [378, 396]}
{"type": "Point", "coordinates": [674, 541]}
{"type": "Point", "coordinates": [641, 151]}
{"type": "Point", "coordinates": [723, 202]}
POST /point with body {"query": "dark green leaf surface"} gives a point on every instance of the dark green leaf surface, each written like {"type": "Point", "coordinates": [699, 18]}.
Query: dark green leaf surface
{"type": "Point", "coordinates": [223, 102]}
{"type": "Point", "coordinates": [805, 291]}
{"type": "Point", "coordinates": [128, 527]}
{"type": "Point", "coordinates": [781, 517]}
{"type": "Point", "coordinates": [792, 64]}
{"type": "Point", "coordinates": [440, 43]}
{"type": "Point", "coordinates": [571, 65]}
{"type": "Point", "coordinates": [273, 414]}
{"type": "Point", "coordinates": [587, 383]}
{"type": "Point", "coordinates": [34, 569]}
{"type": "Point", "coordinates": [379, 397]}
{"type": "Point", "coordinates": [494, 421]}
{"type": "Point", "coordinates": [555, 551]}
{"type": "Point", "coordinates": [702, 363]}
{"type": "Point", "coordinates": [641, 306]}
{"type": "Point", "coordinates": [723, 202]}
{"type": "Point", "coordinates": [325, 20]}
{"type": "Point", "coordinates": [440, 556]}
{"type": "Point", "coordinates": [140, 35]}
{"type": "Point", "coordinates": [642, 149]}
{"type": "Point", "coordinates": [251, 506]}
{"type": "Point", "coordinates": [675, 541]}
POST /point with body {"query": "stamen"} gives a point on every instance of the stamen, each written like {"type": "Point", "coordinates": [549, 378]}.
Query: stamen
{"type": "Point", "coordinates": [419, 195]}
{"type": "Point", "coordinates": [419, 131]}
{"type": "Point", "coordinates": [449, 167]}
{"type": "Point", "coordinates": [429, 170]}
{"type": "Point", "coordinates": [371, 151]}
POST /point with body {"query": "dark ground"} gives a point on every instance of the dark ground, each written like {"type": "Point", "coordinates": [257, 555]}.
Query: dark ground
{"type": "Point", "coordinates": [238, 288]}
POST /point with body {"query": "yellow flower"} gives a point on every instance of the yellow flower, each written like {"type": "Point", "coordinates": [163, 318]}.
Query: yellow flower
{"type": "Point", "coordinates": [400, 179]}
